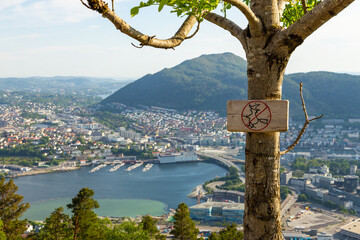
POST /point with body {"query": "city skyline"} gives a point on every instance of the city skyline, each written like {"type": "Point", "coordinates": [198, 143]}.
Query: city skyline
{"type": "Point", "coordinates": [63, 38]}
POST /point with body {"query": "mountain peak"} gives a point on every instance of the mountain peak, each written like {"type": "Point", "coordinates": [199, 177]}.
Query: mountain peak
{"type": "Point", "coordinates": [194, 84]}
{"type": "Point", "coordinates": [209, 81]}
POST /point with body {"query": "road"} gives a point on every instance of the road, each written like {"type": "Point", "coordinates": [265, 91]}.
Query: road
{"type": "Point", "coordinates": [213, 185]}
{"type": "Point", "coordinates": [225, 162]}
{"type": "Point", "coordinates": [287, 203]}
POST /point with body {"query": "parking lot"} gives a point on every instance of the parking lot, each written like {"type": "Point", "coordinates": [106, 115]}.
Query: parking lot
{"type": "Point", "coordinates": [300, 218]}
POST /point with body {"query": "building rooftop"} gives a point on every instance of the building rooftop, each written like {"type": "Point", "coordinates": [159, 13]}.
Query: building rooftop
{"type": "Point", "coordinates": [223, 205]}
{"type": "Point", "coordinates": [352, 227]}
{"type": "Point", "coordinates": [293, 234]}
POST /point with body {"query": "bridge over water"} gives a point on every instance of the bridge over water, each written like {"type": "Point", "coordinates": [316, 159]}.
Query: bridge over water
{"type": "Point", "coordinates": [224, 162]}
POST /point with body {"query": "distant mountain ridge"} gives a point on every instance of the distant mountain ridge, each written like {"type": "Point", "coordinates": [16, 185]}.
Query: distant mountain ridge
{"type": "Point", "coordinates": [59, 83]}
{"type": "Point", "coordinates": [209, 81]}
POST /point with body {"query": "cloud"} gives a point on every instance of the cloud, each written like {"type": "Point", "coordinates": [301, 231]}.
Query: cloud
{"type": "Point", "coordinates": [43, 12]}
{"type": "Point", "coordinates": [10, 4]}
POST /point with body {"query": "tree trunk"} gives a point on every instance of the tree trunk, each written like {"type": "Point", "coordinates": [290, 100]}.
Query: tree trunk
{"type": "Point", "coordinates": [262, 218]}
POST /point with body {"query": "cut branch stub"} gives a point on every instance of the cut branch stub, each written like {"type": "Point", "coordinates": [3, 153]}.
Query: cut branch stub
{"type": "Point", "coordinates": [98, 5]}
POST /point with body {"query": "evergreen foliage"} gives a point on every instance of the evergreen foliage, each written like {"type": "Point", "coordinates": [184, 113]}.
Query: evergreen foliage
{"type": "Point", "coordinates": [128, 231]}
{"type": "Point", "coordinates": [184, 227]}
{"type": "Point", "coordinates": [57, 226]}
{"type": "Point", "coordinates": [85, 222]}
{"type": "Point", "coordinates": [11, 209]}
{"type": "Point", "coordinates": [149, 225]}
{"type": "Point", "coordinates": [228, 233]}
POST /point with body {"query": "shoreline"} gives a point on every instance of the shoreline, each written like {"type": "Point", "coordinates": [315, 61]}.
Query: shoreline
{"type": "Point", "coordinates": [39, 210]}
{"type": "Point", "coordinates": [56, 169]}
{"type": "Point", "coordinates": [44, 171]}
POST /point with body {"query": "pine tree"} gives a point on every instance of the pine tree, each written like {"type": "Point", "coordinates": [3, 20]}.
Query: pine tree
{"type": "Point", "coordinates": [128, 230]}
{"type": "Point", "coordinates": [57, 226]}
{"type": "Point", "coordinates": [228, 233]}
{"type": "Point", "coordinates": [184, 226]}
{"type": "Point", "coordinates": [11, 209]}
{"type": "Point", "coordinates": [85, 222]}
{"type": "Point", "coordinates": [149, 225]}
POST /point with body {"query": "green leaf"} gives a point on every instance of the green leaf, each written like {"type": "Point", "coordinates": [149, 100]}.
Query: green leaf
{"type": "Point", "coordinates": [134, 11]}
{"type": "Point", "coordinates": [178, 12]}
{"type": "Point", "coordinates": [294, 11]}
{"type": "Point", "coordinates": [162, 4]}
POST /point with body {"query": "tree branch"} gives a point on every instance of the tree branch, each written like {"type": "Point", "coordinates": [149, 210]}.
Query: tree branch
{"type": "Point", "coordinates": [307, 121]}
{"type": "Point", "coordinates": [254, 22]}
{"type": "Point", "coordinates": [281, 6]}
{"type": "Point", "coordinates": [303, 4]}
{"type": "Point", "coordinates": [311, 21]}
{"type": "Point", "coordinates": [145, 40]}
{"type": "Point", "coordinates": [226, 24]}
{"type": "Point", "coordinates": [197, 29]}
{"type": "Point", "coordinates": [85, 4]}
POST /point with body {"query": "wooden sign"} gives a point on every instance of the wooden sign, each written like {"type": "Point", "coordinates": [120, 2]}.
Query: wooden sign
{"type": "Point", "coordinates": [257, 115]}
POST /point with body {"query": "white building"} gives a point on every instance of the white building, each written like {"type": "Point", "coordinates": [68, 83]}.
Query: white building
{"type": "Point", "coordinates": [299, 183]}
{"type": "Point", "coordinates": [324, 236]}
{"type": "Point", "coordinates": [353, 169]}
{"type": "Point", "coordinates": [179, 157]}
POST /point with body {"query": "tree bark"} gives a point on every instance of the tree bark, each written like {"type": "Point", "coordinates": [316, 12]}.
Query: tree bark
{"type": "Point", "coordinates": [262, 218]}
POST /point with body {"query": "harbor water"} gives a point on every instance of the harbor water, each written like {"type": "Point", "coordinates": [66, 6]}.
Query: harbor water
{"type": "Point", "coordinates": [120, 193]}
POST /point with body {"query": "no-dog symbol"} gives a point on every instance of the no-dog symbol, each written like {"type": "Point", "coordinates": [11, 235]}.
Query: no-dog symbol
{"type": "Point", "coordinates": [256, 115]}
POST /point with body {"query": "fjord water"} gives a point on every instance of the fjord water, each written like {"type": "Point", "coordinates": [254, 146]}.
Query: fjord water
{"type": "Point", "coordinates": [119, 193]}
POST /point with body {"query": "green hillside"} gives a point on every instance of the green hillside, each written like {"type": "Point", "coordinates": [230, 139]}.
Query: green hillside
{"type": "Point", "coordinates": [194, 84]}
{"type": "Point", "coordinates": [333, 94]}
{"type": "Point", "coordinates": [209, 81]}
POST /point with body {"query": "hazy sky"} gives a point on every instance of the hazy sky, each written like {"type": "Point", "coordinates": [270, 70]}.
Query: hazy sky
{"type": "Point", "coordinates": [63, 38]}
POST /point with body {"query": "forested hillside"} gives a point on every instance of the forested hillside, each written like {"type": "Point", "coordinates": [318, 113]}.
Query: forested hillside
{"type": "Point", "coordinates": [209, 81]}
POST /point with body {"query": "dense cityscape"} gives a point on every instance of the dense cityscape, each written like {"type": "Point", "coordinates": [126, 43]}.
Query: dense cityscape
{"type": "Point", "coordinates": [321, 172]}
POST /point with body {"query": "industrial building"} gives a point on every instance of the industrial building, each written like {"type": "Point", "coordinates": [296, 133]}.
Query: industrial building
{"type": "Point", "coordinates": [351, 230]}
{"type": "Point", "coordinates": [295, 236]}
{"type": "Point", "coordinates": [350, 183]}
{"type": "Point", "coordinates": [223, 195]}
{"type": "Point", "coordinates": [218, 212]}
{"type": "Point", "coordinates": [285, 178]}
